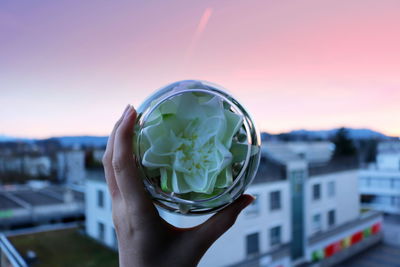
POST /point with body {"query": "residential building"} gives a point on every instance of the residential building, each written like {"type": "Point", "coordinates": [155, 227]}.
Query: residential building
{"type": "Point", "coordinates": [306, 210]}
{"type": "Point", "coordinates": [32, 165]}
{"type": "Point", "coordinates": [71, 166]}
{"type": "Point", "coordinates": [380, 182]}
{"type": "Point", "coordinates": [99, 223]}
{"type": "Point", "coordinates": [24, 206]}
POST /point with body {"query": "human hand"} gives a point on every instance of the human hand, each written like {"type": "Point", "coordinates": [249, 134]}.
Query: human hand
{"type": "Point", "coordinates": [144, 238]}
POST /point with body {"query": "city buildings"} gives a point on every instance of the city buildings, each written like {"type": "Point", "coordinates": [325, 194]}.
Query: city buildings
{"type": "Point", "coordinates": [98, 222]}
{"type": "Point", "coordinates": [23, 206]}
{"type": "Point", "coordinates": [31, 165]}
{"type": "Point", "coordinates": [306, 211]}
{"type": "Point", "coordinates": [380, 182]}
{"type": "Point", "coordinates": [71, 166]}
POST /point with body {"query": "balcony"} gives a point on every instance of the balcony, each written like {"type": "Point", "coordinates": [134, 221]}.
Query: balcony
{"type": "Point", "coordinates": [344, 241]}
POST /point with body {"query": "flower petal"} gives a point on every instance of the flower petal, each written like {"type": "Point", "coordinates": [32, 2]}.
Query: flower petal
{"type": "Point", "coordinates": [224, 178]}
{"type": "Point", "coordinates": [233, 123]}
{"type": "Point", "coordinates": [153, 160]}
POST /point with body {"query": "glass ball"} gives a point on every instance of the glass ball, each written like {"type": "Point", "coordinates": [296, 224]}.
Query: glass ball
{"type": "Point", "coordinates": [197, 148]}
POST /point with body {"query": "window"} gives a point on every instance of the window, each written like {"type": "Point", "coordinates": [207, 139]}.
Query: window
{"type": "Point", "coordinates": [316, 192]}
{"type": "Point", "coordinates": [254, 207]}
{"type": "Point", "coordinates": [252, 244]}
{"type": "Point", "coordinates": [275, 235]}
{"type": "Point", "coordinates": [396, 183]}
{"type": "Point", "coordinates": [331, 188]}
{"type": "Point", "coordinates": [316, 223]}
{"type": "Point", "coordinates": [101, 231]}
{"type": "Point", "coordinates": [395, 201]}
{"type": "Point", "coordinates": [331, 218]}
{"type": "Point", "coordinates": [275, 200]}
{"type": "Point", "coordinates": [100, 198]}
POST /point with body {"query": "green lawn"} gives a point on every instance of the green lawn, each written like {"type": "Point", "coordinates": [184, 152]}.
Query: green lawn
{"type": "Point", "coordinates": [65, 248]}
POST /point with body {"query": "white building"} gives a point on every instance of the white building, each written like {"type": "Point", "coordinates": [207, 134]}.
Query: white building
{"type": "Point", "coordinates": [71, 166]}
{"type": "Point", "coordinates": [32, 165]}
{"type": "Point", "coordinates": [11, 164]}
{"type": "Point", "coordinates": [302, 208]}
{"type": "Point", "coordinates": [99, 223]}
{"type": "Point", "coordinates": [36, 166]}
{"type": "Point", "coordinates": [380, 182]}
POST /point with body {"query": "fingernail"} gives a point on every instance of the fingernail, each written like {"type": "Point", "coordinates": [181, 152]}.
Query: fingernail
{"type": "Point", "coordinates": [125, 110]}
{"type": "Point", "coordinates": [128, 111]}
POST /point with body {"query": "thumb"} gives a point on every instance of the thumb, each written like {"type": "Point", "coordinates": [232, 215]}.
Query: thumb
{"type": "Point", "coordinates": [218, 224]}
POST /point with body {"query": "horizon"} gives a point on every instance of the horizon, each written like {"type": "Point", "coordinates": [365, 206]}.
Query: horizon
{"type": "Point", "coordinates": [3, 135]}
{"type": "Point", "coordinates": [308, 65]}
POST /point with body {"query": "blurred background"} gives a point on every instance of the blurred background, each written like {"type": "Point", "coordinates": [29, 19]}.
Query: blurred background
{"type": "Point", "coordinates": [320, 78]}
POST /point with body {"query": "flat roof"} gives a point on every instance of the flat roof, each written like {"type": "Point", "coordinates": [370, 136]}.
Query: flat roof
{"type": "Point", "coordinates": [6, 203]}
{"type": "Point", "coordinates": [270, 171]}
{"type": "Point", "coordinates": [50, 195]}
{"type": "Point", "coordinates": [36, 198]}
{"type": "Point", "coordinates": [334, 165]}
{"type": "Point", "coordinates": [67, 247]}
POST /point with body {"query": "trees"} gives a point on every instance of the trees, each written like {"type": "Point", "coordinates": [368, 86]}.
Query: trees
{"type": "Point", "coordinates": [344, 146]}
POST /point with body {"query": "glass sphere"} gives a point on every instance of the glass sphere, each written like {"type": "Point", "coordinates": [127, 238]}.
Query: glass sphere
{"type": "Point", "coordinates": [185, 168]}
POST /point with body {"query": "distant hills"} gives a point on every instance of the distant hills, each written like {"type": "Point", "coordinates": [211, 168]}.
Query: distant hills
{"type": "Point", "coordinates": [7, 138]}
{"type": "Point", "coordinates": [65, 141]}
{"type": "Point", "coordinates": [96, 141]}
{"type": "Point", "coordinates": [101, 141]}
{"type": "Point", "coordinates": [353, 133]}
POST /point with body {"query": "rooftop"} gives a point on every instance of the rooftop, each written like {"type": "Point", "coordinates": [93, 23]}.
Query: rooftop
{"type": "Point", "coordinates": [22, 196]}
{"type": "Point", "coordinates": [22, 205]}
{"type": "Point", "coordinates": [312, 152]}
{"type": "Point", "coordinates": [64, 248]}
{"type": "Point", "coordinates": [334, 165]}
{"type": "Point", "coordinates": [269, 171]}
{"type": "Point", "coordinates": [6, 203]}
{"type": "Point", "coordinates": [36, 198]}
{"type": "Point", "coordinates": [280, 151]}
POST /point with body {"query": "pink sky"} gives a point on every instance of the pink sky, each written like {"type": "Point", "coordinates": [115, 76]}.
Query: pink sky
{"type": "Point", "coordinates": [70, 67]}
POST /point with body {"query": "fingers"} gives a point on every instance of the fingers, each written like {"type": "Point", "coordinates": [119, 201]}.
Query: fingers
{"type": "Point", "coordinates": [107, 159]}
{"type": "Point", "coordinates": [218, 224]}
{"type": "Point", "coordinates": [123, 162]}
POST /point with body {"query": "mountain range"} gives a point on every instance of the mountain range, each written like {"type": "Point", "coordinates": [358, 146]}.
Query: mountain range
{"type": "Point", "coordinates": [100, 141]}
{"type": "Point", "coordinates": [353, 133]}
{"type": "Point", "coordinates": [362, 133]}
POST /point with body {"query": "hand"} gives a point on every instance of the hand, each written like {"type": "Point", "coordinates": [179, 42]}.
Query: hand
{"type": "Point", "coordinates": [144, 238]}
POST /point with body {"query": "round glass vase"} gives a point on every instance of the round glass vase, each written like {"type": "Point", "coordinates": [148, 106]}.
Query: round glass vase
{"type": "Point", "coordinates": [243, 172]}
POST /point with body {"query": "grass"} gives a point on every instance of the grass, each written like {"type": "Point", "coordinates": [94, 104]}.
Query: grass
{"type": "Point", "coordinates": [65, 248]}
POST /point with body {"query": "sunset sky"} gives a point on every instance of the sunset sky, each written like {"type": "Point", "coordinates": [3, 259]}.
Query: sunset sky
{"type": "Point", "coordinates": [69, 67]}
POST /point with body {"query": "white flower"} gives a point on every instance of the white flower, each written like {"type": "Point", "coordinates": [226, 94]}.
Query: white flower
{"type": "Point", "coordinates": [186, 141]}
